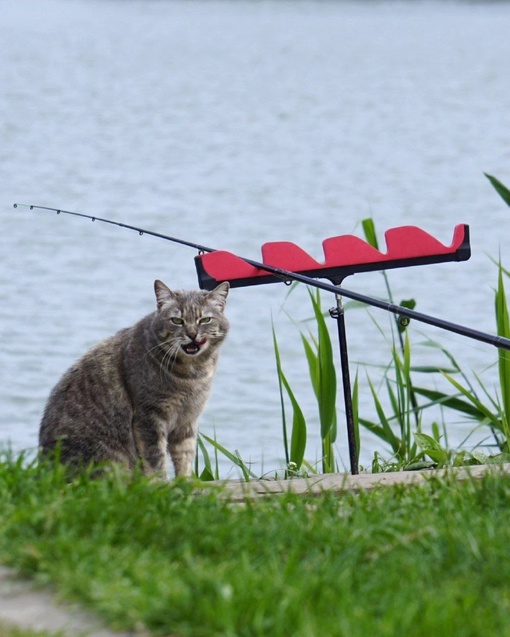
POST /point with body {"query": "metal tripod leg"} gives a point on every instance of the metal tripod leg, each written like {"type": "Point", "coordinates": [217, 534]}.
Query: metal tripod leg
{"type": "Point", "coordinates": [339, 315]}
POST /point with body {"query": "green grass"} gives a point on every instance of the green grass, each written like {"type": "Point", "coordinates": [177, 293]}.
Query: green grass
{"type": "Point", "coordinates": [10, 631]}
{"type": "Point", "coordinates": [421, 561]}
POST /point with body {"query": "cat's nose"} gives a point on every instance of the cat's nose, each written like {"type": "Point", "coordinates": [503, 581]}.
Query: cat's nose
{"type": "Point", "coordinates": [192, 334]}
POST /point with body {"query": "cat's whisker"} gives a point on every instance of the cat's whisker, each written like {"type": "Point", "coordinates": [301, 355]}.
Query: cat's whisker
{"type": "Point", "coordinates": [167, 347]}
{"type": "Point", "coordinates": [149, 352]}
{"type": "Point", "coordinates": [169, 358]}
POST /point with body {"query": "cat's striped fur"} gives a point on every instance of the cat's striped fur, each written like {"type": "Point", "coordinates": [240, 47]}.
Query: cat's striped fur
{"type": "Point", "coordinates": [140, 393]}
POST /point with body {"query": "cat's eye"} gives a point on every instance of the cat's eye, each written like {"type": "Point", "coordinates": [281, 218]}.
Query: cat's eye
{"type": "Point", "coordinates": [204, 320]}
{"type": "Point", "coordinates": [177, 320]}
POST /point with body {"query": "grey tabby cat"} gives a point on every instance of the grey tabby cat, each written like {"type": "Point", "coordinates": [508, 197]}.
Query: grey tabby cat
{"type": "Point", "coordinates": [139, 394]}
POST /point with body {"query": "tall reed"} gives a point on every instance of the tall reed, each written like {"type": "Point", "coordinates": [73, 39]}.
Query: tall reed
{"type": "Point", "coordinates": [321, 368]}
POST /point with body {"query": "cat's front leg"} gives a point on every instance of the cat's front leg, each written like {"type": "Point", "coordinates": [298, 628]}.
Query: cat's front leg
{"type": "Point", "coordinates": [152, 447]}
{"type": "Point", "coordinates": [182, 445]}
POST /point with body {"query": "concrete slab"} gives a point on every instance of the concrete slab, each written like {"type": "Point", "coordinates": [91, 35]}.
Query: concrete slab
{"type": "Point", "coordinates": [343, 482]}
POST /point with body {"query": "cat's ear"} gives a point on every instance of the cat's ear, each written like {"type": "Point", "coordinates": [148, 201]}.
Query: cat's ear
{"type": "Point", "coordinates": [164, 294]}
{"type": "Point", "coordinates": [219, 294]}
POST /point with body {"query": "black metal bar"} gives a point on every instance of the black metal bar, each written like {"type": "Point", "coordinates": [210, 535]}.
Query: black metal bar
{"type": "Point", "coordinates": [338, 313]}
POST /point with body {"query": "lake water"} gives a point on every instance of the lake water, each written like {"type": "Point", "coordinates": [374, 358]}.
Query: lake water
{"type": "Point", "coordinates": [233, 124]}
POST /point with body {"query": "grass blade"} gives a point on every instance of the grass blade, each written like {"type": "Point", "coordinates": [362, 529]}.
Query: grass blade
{"type": "Point", "coordinates": [235, 458]}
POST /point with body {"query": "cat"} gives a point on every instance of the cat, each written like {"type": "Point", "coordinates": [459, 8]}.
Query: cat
{"type": "Point", "coordinates": [140, 393]}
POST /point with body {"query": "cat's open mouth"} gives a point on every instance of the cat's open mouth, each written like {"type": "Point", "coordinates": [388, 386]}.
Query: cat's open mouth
{"type": "Point", "coordinates": [193, 348]}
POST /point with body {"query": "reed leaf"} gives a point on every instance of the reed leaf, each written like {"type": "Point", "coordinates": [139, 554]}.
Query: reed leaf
{"type": "Point", "coordinates": [488, 415]}
{"type": "Point", "coordinates": [377, 430]}
{"type": "Point", "coordinates": [208, 473]}
{"type": "Point", "coordinates": [493, 400]}
{"type": "Point", "coordinates": [410, 404]}
{"type": "Point", "coordinates": [501, 189]}
{"type": "Point", "coordinates": [280, 389]}
{"type": "Point", "coordinates": [432, 448]}
{"type": "Point", "coordinates": [440, 398]}
{"type": "Point", "coordinates": [370, 233]}
{"type": "Point", "coordinates": [313, 365]}
{"type": "Point", "coordinates": [355, 416]}
{"type": "Point", "coordinates": [503, 328]}
{"type": "Point", "coordinates": [432, 369]}
{"type": "Point", "coordinates": [299, 430]}
{"type": "Point", "coordinates": [299, 433]}
{"type": "Point", "coordinates": [386, 431]}
{"type": "Point", "coordinates": [410, 304]}
{"type": "Point", "coordinates": [395, 406]}
{"type": "Point", "coordinates": [327, 387]}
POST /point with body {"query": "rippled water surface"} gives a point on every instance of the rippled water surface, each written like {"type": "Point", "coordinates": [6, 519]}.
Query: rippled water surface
{"type": "Point", "coordinates": [232, 124]}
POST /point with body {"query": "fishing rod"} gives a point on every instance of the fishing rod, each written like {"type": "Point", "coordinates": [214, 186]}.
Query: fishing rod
{"type": "Point", "coordinates": [404, 313]}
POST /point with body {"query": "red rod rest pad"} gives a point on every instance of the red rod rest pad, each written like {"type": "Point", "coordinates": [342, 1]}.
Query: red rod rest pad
{"type": "Point", "coordinates": [343, 255]}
